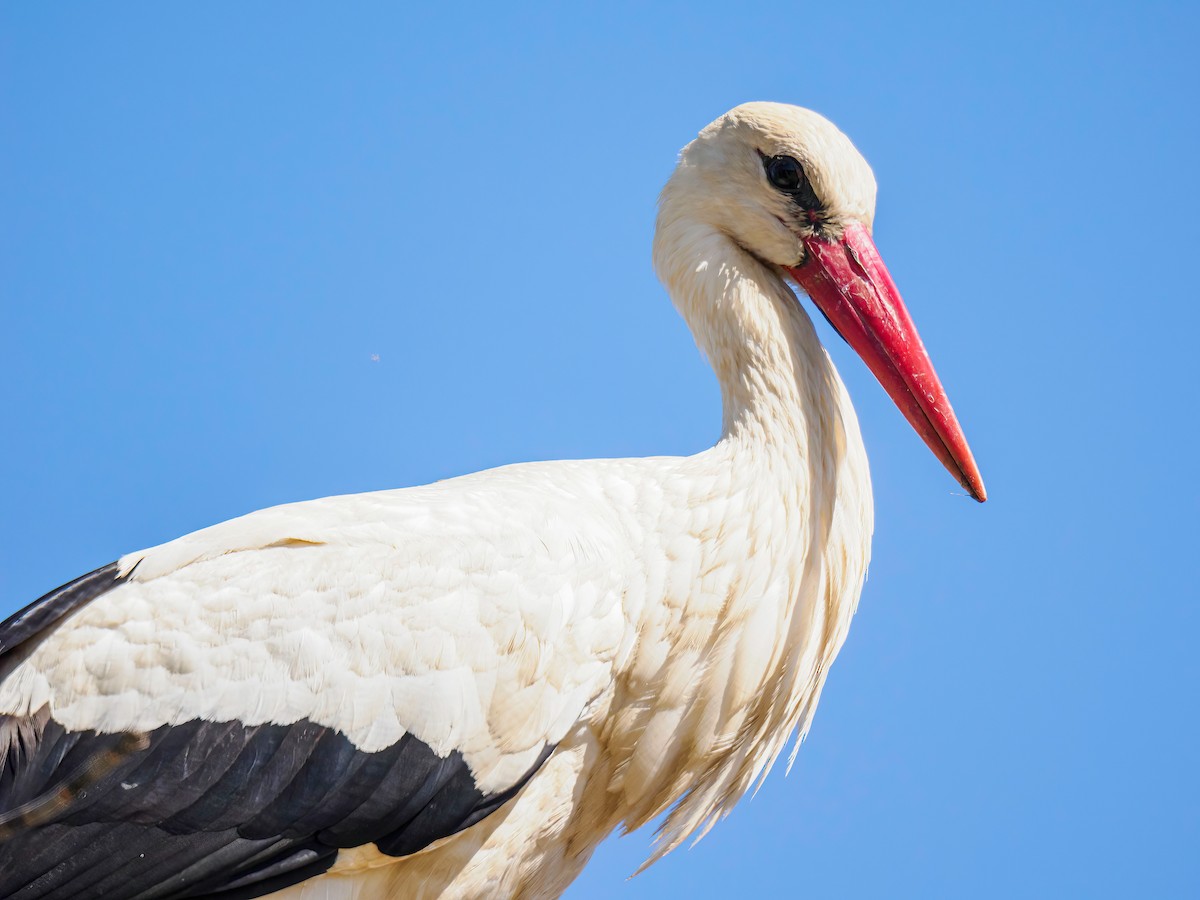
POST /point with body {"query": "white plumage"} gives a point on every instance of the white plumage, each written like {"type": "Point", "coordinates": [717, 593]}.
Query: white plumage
{"type": "Point", "coordinates": [664, 625]}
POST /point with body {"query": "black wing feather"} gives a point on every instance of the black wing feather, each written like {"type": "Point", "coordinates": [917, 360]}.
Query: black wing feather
{"type": "Point", "coordinates": [42, 614]}
{"type": "Point", "coordinates": [212, 810]}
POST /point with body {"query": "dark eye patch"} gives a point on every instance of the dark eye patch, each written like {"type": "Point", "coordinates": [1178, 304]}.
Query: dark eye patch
{"type": "Point", "coordinates": [787, 175]}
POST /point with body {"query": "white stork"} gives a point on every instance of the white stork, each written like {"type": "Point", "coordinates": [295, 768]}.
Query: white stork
{"type": "Point", "coordinates": [459, 690]}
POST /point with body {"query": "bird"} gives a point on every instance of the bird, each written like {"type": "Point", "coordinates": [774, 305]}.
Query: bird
{"type": "Point", "coordinates": [458, 690]}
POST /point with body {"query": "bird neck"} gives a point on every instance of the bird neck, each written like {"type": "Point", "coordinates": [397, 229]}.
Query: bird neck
{"type": "Point", "coordinates": [774, 374]}
{"type": "Point", "coordinates": [748, 602]}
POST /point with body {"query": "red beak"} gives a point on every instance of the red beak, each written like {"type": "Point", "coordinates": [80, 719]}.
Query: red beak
{"type": "Point", "coordinates": [850, 284]}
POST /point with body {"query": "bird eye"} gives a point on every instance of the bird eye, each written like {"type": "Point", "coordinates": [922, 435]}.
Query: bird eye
{"type": "Point", "coordinates": [784, 172]}
{"type": "Point", "coordinates": [787, 175]}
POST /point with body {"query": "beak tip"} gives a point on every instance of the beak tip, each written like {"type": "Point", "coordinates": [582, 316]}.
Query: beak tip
{"type": "Point", "coordinates": [976, 489]}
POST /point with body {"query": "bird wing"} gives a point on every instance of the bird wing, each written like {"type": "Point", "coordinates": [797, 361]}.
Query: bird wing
{"type": "Point", "coordinates": [218, 715]}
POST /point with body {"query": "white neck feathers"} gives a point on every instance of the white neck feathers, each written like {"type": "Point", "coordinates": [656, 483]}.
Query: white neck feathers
{"type": "Point", "coordinates": [775, 554]}
{"type": "Point", "coordinates": [773, 372]}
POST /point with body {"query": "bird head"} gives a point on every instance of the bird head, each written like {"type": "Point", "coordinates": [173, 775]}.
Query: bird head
{"type": "Point", "coordinates": [790, 189]}
{"type": "Point", "coordinates": [771, 175]}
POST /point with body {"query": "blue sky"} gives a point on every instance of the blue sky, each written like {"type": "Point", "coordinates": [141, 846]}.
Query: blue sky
{"type": "Point", "coordinates": [214, 219]}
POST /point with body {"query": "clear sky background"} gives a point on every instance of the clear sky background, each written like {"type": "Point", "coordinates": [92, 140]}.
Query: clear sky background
{"type": "Point", "coordinates": [256, 253]}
